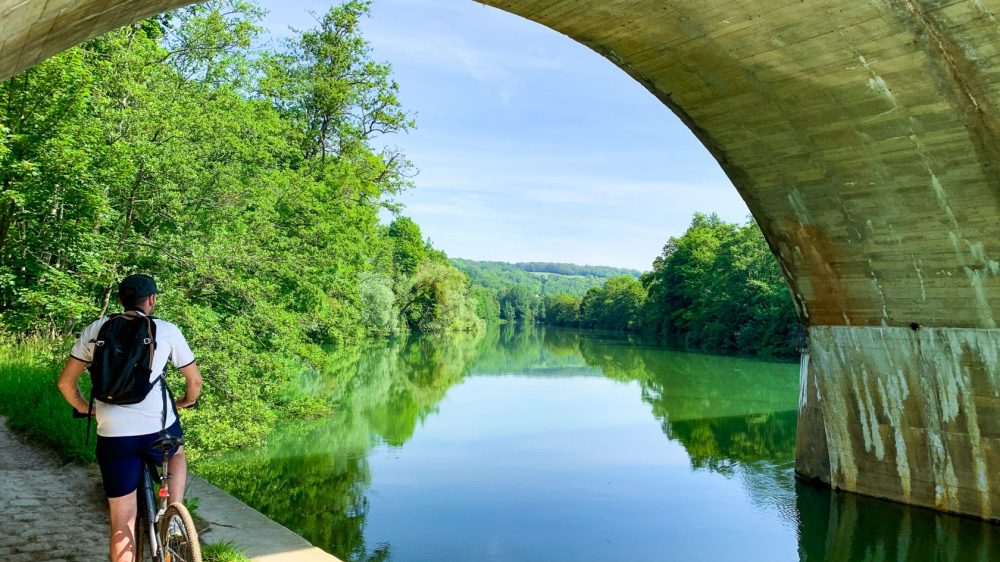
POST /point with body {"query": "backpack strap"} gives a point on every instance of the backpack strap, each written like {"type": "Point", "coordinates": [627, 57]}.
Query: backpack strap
{"type": "Point", "coordinates": [90, 416]}
{"type": "Point", "coordinates": [151, 330]}
{"type": "Point", "coordinates": [151, 342]}
{"type": "Point", "coordinates": [166, 394]}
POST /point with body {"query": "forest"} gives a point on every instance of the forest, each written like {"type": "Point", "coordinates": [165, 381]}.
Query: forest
{"type": "Point", "coordinates": [248, 180]}
{"type": "Point", "coordinates": [518, 292]}
{"type": "Point", "coordinates": [715, 288]}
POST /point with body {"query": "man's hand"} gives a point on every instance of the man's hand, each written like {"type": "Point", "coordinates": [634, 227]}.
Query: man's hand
{"type": "Point", "coordinates": [185, 403]}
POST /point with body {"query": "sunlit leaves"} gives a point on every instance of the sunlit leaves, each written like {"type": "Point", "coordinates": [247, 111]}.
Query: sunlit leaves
{"type": "Point", "coordinates": [247, 181]}
{"type": "Point", "coordinates": [718, 288]}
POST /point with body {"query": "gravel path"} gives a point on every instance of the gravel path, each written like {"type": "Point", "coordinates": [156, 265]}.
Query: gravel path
{"type": "Point", "coordinates": [48, 510]}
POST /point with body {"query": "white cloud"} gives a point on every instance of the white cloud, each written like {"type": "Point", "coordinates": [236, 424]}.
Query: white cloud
{"type": "Point", "coordinates": [583, 165]}
{"type": "Point", "coordinates": [502, 72]}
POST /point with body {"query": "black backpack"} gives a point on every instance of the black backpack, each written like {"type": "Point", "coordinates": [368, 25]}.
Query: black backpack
{"type": "Point", "coordinates": [122, 362]}
{"type": "Point", "coordinates": [123, 359]}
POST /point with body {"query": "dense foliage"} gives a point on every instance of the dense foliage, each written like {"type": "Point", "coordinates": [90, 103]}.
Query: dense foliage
{"type": "Point", "coordinates": [615, 306]}
{"type": "Point", "coordinates": [248, 181]}
{"type": "Point", "coordinates": [519, 292]}
{"type": "Point", "coordinates": [31, 404]}
{"type": "Point", "coordinates": [717, 287]}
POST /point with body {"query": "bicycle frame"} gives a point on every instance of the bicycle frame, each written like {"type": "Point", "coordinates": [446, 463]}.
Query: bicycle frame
{"type": "Point", "coordinates": [148, 508]}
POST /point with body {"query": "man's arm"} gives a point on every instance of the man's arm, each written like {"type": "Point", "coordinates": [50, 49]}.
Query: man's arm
{"type": "Point", "coordinates": [68, 384]}
{"type": "Point", "coordinates": [192, 387]}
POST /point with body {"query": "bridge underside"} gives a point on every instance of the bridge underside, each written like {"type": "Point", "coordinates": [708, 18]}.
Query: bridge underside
{"type": "Point", "coordinates": [864, 138]}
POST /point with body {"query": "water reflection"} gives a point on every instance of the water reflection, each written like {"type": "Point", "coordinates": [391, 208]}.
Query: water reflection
{"type": "Point", "coordinates": [733, 417]}
{"type": "Point", "coordinates": [840, 527]}
{"type": "Point", "coordinates": [313, 477]}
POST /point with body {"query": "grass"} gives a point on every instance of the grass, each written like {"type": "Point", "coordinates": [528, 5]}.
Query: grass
{"type": "Point", "coordinates": [224, 551]}
{"type": "Point", "coordinates": [32, 403]}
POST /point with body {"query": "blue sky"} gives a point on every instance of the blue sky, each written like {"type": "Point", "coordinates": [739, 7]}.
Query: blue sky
{"type": "Point", "coordinates": [530, 146]}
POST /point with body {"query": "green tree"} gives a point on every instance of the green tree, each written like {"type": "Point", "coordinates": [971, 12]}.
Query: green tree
{"type": "Point", "coordinates": [436, 299]}
{"type": "Point", "coordinates": [675, 287]}
{"type": "Point", "coordinates": [719, 288]}
{"type": "Point", "coordinates": [379, 313]}
{"type": "Point", "coordinates": [519, 304]}
{"type": "Point", "coordinates": [50, 196]}
{"type": "Point", "coordinates": [615, 306]}
{"type": "Point", "coordinates": [408, 247]}
{"type": "Point", "coordinates": [562, 310]}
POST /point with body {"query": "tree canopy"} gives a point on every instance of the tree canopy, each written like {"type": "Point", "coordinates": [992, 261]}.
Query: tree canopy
{"type": "Point", "coordinates": [248, 181]}
{"type": "Point", "coordinates": [717, 288]}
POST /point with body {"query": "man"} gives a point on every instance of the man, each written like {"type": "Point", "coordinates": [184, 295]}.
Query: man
{"type": "Point", "coordinates": [125, 433]}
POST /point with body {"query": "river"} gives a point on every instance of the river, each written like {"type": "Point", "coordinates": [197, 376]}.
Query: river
{"type": "Point", "coordinates": [544, 444]}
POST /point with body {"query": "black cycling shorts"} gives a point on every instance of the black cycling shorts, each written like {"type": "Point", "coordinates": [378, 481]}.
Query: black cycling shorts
{"type": "Point", "coordinates": [121, 459]}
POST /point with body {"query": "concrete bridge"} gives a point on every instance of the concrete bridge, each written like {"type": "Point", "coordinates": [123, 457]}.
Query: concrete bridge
{"type": "Point", "coordinates": [865, 138]}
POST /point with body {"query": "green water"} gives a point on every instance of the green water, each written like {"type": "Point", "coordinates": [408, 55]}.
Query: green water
{"type": "Point", "coordinates": [550, 445]}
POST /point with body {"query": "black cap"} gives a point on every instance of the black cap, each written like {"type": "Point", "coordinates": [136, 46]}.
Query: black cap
{"type": "Point", "coordinates": [135, 287]}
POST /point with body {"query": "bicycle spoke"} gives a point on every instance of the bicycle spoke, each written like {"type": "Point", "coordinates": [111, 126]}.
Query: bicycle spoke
{"type": "Point", "coordinates": [177, 542]}
{"type": "Point", "coordinates": [179, 537]}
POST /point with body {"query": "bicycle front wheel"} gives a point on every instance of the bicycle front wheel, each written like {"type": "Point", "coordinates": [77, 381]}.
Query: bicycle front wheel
{"type": "Point", "coordinates": [178, 535]}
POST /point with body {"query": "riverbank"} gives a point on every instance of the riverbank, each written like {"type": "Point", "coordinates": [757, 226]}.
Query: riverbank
{"type": "Point", "coordinates": [262, 539]}
{"type": "Point", "coordinates": [56, 511]}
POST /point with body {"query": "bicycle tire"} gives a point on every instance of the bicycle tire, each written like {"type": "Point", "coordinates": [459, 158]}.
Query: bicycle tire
{"type": "Point", "coordinates": [178, 535]}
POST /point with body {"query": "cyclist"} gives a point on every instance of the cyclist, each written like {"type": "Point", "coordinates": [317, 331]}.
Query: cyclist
{"type": "Point", "coordinates": [126, 433]}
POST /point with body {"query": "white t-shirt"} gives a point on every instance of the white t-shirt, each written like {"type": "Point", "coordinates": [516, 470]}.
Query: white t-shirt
{"type": "Point", "coordinates": [123, 420]}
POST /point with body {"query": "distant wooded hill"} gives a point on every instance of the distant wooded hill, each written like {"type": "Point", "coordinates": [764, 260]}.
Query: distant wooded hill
{"type": "Point", "coordinates": [573, 269]}
{"type": "Point", "coordinates": [539, 278]}
{"type": "Point", "coordinates": [717, 288]}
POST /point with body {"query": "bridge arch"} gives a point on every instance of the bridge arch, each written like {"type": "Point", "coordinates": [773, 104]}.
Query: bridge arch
{"type": "Point", "coordinates": [865, 139]}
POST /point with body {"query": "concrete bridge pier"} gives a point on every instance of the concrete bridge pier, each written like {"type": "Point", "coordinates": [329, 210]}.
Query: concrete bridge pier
{"type": "Point", "coordinates": [909, 414]}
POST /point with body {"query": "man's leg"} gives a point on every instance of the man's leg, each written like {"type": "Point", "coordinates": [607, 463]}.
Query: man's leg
{"type": "Point", "coordinates": [178, 475]}
{"type": "Point", "coordinates": [122, 528]}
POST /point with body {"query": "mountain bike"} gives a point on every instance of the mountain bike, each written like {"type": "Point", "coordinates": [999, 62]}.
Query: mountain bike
{"type": "Point", "coordinates": [167, 532]}
{"type": "Point", "coordinates": [163, 533]}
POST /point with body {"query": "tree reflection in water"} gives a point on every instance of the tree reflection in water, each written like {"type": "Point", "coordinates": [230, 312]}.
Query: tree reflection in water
{"type": "Point", "coordinates": [733, 416]}
{"type": "Point", "coordinates": [312, 477]}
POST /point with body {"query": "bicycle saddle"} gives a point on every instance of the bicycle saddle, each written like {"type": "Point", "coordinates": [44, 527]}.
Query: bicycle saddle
{"type": "Point", "coordinates": [167, 442]}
